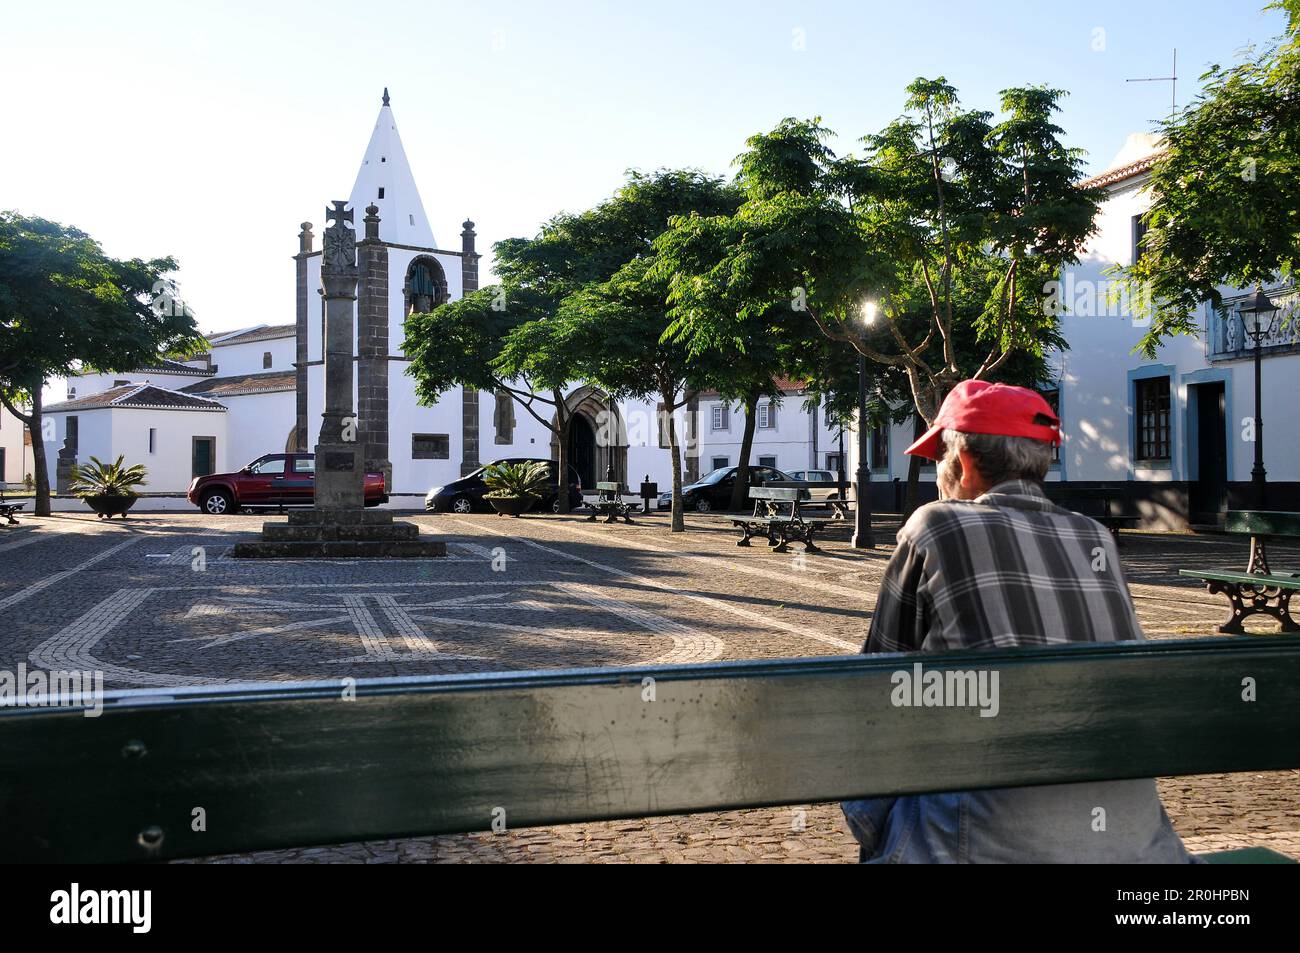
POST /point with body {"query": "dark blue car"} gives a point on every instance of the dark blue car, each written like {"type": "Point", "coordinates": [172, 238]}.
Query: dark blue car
{"type": "Point", "coordinates": [466, 494]}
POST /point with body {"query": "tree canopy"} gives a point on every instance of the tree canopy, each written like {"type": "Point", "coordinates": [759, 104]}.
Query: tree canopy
{"type": "Point", "coordinates": [66, 307]}
{"type": "Point", "coordinates": [1226, 190]}
{"type": "Point", "coordinates": [951, 224]}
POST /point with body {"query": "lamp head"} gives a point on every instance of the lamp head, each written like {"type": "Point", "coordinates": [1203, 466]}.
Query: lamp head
{"type": "Point", "coordinates": [1257, 307]}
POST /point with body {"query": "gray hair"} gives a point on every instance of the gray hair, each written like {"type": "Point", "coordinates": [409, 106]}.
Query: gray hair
{"type": "Point", "coordinates": [1002, 458]}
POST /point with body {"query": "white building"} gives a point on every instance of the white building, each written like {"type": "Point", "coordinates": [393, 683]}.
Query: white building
{"type": "Point", "coordinates": [787, 434]}
{"type": "Point", "coordinates": [15, 449]}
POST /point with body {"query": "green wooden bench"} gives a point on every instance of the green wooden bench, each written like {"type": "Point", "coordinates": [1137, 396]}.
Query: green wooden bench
{"type": "Point", "coordinates": [1258, 590]}
{"type": "Point", "coordinates": [165, 773]}
{"type": "Point", "coordinates": [609, 501]}
{"type": "Point", "coordinates": [7, 509]}
{"type": "Point", "coordinates": [777, 516]}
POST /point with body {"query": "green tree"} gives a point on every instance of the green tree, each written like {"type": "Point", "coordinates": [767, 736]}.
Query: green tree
{"type": "Point", "coordinates": [501, 339]}
{"type": "Point", "coordinates": [66, 307]}
{"type": "Point", "coordinates": [624, 319]}
{"type": "Point", "coordinates": [1226, 190]}
{"type": "Point", "coordinates": [947, 209]}
{"type": "Point", "coordinates": [525, 336]}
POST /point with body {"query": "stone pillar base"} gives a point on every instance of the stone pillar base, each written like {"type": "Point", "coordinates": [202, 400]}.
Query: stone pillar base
{"type": "Point", "coordinates": [337, 533]}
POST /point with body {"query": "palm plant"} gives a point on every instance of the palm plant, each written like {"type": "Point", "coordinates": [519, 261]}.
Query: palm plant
{"type": "Point", "coordinates": [107, 479]}
{"type": "Point", "coordinates": [516, 480]}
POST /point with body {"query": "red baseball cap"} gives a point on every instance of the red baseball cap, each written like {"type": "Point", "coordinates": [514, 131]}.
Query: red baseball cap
{"type": "Point", "coordinates": [981, 407]}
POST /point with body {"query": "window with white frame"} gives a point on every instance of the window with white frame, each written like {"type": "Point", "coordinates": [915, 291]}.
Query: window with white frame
{"type": "Point", "coordinates": [721, 418]}
{"type": "Point", "coordinates": [767, 462]}
{"type": "Point", "coordinates": [720, 462]}
{"type": "Point", "coordinates": [767, 415]}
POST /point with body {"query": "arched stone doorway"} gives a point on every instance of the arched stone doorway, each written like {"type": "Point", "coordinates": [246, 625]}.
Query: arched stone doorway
{"type": "Point", "coordinates": [590, 436]}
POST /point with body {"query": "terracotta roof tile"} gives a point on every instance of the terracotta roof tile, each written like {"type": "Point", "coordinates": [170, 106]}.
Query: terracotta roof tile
{"type": "Point", "coordinates": [238, 384]}
{"type": "Point", "coordinates": [137, 396]}
{"type": "Point", "coordinates": [264, 333]}
{"type": "Point", "coordinates": [1120, 173]}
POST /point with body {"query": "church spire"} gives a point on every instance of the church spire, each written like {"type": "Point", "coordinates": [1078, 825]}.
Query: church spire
{"type": "Point", "coordinates": [385, 181]}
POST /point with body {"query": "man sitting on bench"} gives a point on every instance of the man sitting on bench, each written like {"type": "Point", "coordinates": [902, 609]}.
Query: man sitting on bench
{"type": "Point", "coordinates": [994, 564]}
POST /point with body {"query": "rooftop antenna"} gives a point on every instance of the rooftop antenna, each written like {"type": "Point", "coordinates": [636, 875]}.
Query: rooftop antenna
{"type": "Point", "coordinates": [1171, 79]}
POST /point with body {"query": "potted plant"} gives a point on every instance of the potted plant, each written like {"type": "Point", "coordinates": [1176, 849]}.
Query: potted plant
{"type": "Point", "coordinates": [108, 488]}
{"type": "Point", "coordinates": [514, 487]}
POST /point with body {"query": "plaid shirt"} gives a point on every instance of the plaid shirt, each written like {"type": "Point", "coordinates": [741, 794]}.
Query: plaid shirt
{"type": "Point", "coordinates": [1009, 568]}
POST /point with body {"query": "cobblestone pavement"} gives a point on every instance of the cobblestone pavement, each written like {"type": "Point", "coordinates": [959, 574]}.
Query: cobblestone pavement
{"type": "Point", "coordinates": [156, 600]}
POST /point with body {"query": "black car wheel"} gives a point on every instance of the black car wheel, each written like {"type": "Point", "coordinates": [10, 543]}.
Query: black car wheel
{"type": "Point", "coordinates": [702, 505]}
{"type": "Point", "coordinates": [462, 504]}
{"type": "Point", "coordinates": [218, 503]}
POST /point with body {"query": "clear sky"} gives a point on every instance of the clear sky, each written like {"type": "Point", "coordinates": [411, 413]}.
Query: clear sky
{"type": "Point", "coordinates": [209, 130]}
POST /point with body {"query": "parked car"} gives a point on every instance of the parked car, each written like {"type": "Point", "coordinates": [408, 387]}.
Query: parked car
{"type": "Point", "coordinates": [276, 479]}
{"type": "Point", "coordinates": [466, 494]}
{"type": "Point", "coordinates": [822, 485]}
{"type": "Point", "coordinates": [713, 490]}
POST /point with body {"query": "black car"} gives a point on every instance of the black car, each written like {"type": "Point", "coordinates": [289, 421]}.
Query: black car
{"type": "Point", "coordinates": [466, 494]}
{"type": "Point", "coordinates": [713, 490]}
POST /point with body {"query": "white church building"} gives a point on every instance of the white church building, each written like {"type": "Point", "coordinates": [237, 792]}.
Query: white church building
{"type": "Point", "coordinates": [261, 390]}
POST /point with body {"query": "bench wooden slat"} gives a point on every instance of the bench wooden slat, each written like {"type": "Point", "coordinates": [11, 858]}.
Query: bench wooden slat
{"type": "Point", "coordinates": [783, 494]}
{"type": "Point", "coordinates": [1262, 522]}
{"type": "Point", "coordinates": [278, 765]}
{"type": "Point", "coordinates": [1285, 581]}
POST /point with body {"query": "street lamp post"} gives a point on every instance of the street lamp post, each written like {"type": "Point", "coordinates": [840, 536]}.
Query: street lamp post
{"type": "Point", "coordinates": [862, 537]}
{"type": "Point", "coordinates": [1256, 327]}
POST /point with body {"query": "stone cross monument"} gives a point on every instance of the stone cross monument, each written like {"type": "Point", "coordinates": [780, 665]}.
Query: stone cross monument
{"type": "Point", "coordinates": [339, 465]}
{"type": "Point", "coordinates": [339, 523]}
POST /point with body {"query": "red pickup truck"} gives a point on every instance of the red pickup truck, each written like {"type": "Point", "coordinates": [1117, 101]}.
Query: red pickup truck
{"type": "Point", "coordinates": [276, 479]}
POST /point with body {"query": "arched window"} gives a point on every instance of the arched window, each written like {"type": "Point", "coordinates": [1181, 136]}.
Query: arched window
{"type": "Point", "coordinates": [426, 285]}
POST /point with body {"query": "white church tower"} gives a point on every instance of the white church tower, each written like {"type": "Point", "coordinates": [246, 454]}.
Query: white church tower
{"type": "Point", "coordinates": [401, 270]}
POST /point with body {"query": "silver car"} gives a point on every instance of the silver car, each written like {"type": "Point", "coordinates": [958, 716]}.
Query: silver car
{"type": "Point", "coordinates": [822, 485]}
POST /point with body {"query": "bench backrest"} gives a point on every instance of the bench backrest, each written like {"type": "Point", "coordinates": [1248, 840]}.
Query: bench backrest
{"type": "Point", "coordinates": [608, 487]}
{"type": "Point", "coordinates": [1262, 522]}
{"type": "Point", "coordinates": [776, 493]}
{"type": "Point", "coordinates": [278, 765]}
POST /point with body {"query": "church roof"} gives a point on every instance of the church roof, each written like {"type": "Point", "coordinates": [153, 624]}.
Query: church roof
{"type": "Point", "coordinates": [165, 365]}
{"type": "Point", "coordinates": [262, 332]}
{"type": "Point", "coordinates": [385, 180]}
{"type": "Point", "coordinates": [143, 396]}
{"type": "Point", "coordinates": [238, 384]}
